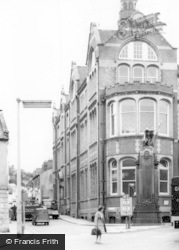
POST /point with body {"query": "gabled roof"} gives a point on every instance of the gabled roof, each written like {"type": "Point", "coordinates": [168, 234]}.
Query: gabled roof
{"type": "Point", "coordinates": [4, 133]}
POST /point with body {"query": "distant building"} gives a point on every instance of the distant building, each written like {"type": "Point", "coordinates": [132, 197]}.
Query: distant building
{"type": "Point", "coordinates": [4, 190]}
{"type": "Point", "coordinates": [129, 83]}
{"type": "Point", "coordinates": [46, 181]}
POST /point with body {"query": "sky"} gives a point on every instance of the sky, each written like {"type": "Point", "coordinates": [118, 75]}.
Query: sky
{"type": "Point", "coordinates": [38, 41]}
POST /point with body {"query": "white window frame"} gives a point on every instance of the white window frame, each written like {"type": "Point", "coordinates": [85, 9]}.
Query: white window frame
{"type": "Point", "coordinates": [167, 113]}
{"type": "Point", "coordinates": [166, 169]}
{"type": "Point", "coordinates": [111, 175]}
{"type": "Point", "coordinates": [154, 125]}
{"type": "Point", "coordinates": [129, 167]}
{"type": "Point", "coordinates": [121, 117]}
{"type": "Point", "coordinates": [114, 115]}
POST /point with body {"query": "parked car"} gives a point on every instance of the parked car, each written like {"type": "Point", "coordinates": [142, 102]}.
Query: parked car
{"type": "Point", "coordinates": [40, 215]}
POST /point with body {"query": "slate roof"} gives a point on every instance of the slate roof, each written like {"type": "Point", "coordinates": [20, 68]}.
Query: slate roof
{"type": "Point", "coordinates": [105, 35]}
{"type": "Point", "coordinates": [82, 71]}
{"type": "Point", "coordinates": [4, 133]}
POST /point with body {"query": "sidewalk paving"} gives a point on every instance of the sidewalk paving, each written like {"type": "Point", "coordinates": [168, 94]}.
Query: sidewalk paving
{"type": "Point", "coordinates": [112, 228]}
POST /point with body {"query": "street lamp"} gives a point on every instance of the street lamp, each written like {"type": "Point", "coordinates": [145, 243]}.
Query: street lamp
{"type": "Point", "coordinates": [26, 104]}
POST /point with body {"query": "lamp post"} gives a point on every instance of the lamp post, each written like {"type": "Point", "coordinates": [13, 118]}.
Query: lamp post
{"type": "Point", "coordinates": [26, 104]}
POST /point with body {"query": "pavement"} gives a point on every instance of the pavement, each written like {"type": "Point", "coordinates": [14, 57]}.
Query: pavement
{"type": "Point", "coordinates": [111, 228]}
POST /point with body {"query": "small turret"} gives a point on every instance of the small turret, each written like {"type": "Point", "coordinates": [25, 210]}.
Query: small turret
{"type": "Point", "coordinates": [128, 7]}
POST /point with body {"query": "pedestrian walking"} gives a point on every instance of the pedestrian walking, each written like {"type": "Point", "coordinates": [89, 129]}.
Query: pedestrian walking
{"type": "Point", "coordinates": [99, 223]}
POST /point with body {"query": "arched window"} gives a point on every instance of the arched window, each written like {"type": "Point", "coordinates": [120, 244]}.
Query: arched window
{"type": "Point", "coordinates": [123, 74]}
{"type": "Point", "coordinates": [128, 169]}
{"type": "Point", "coordinates": [164, 117]}
{"type": "Point", "coordinates": [152, 74]}
{"type": "Point", "coordinates": [113, 119]}
{"type": "Point", "coordinates": [113, 177]}
{"type": "Point", "coordinates": [138, 51]}
{"type": "Point", "coordinates": [128, 117]}
{"type": "Point", "coordinates": [131, 6]}
{"type": "Point", "coordinates": [147, 114]}
{"type": "Point", "coordinates": [163, 177]}
{"type": "Point", "coordinates": [138, 74]}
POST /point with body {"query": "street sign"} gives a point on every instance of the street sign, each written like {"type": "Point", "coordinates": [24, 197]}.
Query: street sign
{"type": "Point", "coordinates": [126, 206]}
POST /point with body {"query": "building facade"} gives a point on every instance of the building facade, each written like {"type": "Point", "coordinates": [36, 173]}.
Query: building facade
{"type": "Point", "coordinates": [129, 84]}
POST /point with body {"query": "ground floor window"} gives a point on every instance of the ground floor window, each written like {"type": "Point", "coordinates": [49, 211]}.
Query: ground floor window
{"type": "Point", "coordinates": [128, 173]}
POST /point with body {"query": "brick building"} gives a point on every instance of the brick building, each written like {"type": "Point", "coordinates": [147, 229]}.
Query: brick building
{"type": "Point", "coordinates": [129, 83]}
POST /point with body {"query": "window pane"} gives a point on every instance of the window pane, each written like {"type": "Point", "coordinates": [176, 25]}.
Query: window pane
{"type": "Point", "coordinates": [124, 52]}
{"type": "Point", "coordinates": [138, 74]}
{"type": "Point", "coordinates": [128, 174]}
{"type": "Point", "coordinates": [137, 50]}
{"type": "Point", "coordinates": [128, 106]}
{"type": "Point", "coordinates": [163, 117]}
{"type": "Point", "coordinates": [125, 187]}
{"type": "Point", "coordinates": [151, 54]}
{"type": "Point", "coordinates": [128, 163]}
{"type": "Point", "coordinates": [146, 120]}
{"type": "Point", "coordinates": [152, 74]}
{"type": "Point", "coordinates": [163, 175]}
{"type": "Point", "coordinates": [146, 114]}
{"type": "Point", "coordinates": [163, 127]}
{"type": "Point", "coordinates": [147, 105]}
{"type": "Point", "coordinates": [163, 107]}
{"type": "Point", "coordinates": [114, 187]}
{"type": "Point", "coordinates": [163, 187]}
{"type": "Point", "coordinates": [114, 175]}
{"type": "Point", "coordinates": [129, 123]}
{"type": "Point", "coordinates": [123, 74]}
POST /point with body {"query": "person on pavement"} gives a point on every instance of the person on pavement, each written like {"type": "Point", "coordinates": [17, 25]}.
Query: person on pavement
{"type": "Point", "coordinates": [99, 223]}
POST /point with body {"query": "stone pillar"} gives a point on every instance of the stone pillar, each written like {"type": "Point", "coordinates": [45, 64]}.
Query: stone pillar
{"type": "Point", "coordinates": [147, 209]}
{"type": "Point", "coordinates": [4, 211]}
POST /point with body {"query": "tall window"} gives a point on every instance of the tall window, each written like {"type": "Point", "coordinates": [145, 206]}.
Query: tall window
{"type": "Point", "coordinates": [137, 50]}
{"type": "Point", "coordinates": [113, 175]}
{"type": "Point", "coordinates": [147, 114]}
{"type": "Point", "coordinates": [128, 117]}
{"type": "Point", "coordinates": [163, 117]}
{"type": "Point", "coordinates": [93, 177]}
{"type": "Point", "coordinates": [138, 74]}
{"type": "Point", "coordinates": [123, 74]}
{"type": "Point", "coordinates": [128, 168]}
{"type": "Point", "coordinates": [113, 119]}
{"type": "Point", "coordinates": [152, 74]}
{"type": "Point", "coordinates": [163, 177]}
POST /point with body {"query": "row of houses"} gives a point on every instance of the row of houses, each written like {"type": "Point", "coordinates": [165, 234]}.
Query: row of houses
{"type": "Point", "coordinates": [129, 84]}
